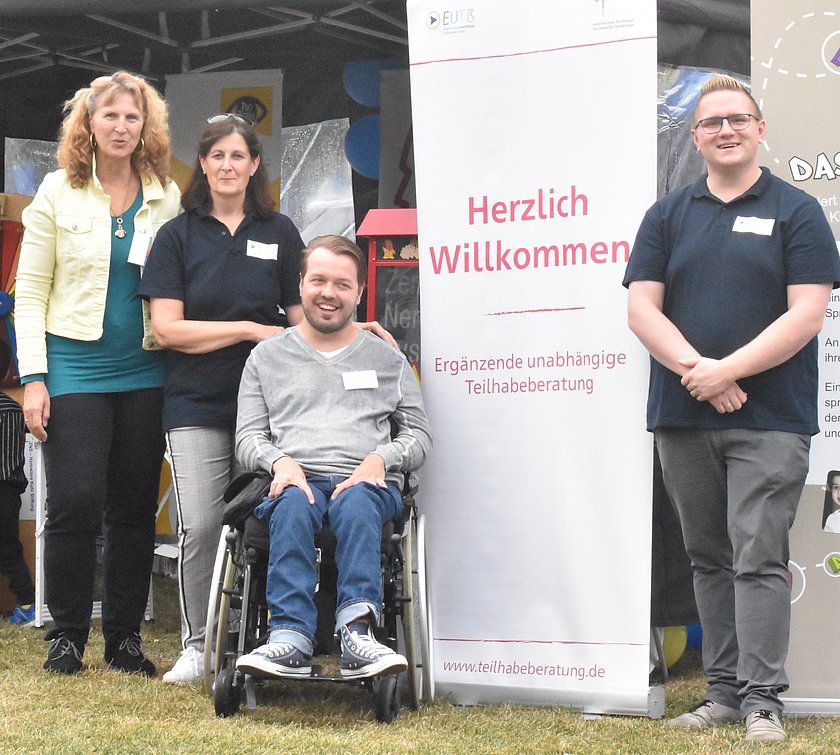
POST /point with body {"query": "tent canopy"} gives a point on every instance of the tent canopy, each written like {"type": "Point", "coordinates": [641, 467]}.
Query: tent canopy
{"type": "Point", "coordinates": [50, 48]}
{"type": "Point", "coordinates": [172, 36]}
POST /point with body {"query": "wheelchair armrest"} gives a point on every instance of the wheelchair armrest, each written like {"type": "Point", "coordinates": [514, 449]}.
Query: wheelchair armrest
{"type": "Point", "coordinates": [243, 495]}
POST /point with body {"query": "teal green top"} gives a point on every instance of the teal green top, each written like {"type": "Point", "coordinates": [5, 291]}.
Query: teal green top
{"type": "Point", "coordinates": [116, 362]}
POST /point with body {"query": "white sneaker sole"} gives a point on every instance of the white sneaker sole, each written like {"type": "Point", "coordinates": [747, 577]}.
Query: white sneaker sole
{"type": "Point", "coordinates": [257, 666]}
{"type": "Point", "coordinates": [390, 664]}
{"type": "Point", "coordinates": [170, 678]}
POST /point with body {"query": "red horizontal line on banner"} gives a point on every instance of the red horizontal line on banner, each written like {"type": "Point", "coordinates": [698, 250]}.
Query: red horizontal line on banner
{"type": "Point", "coordinates": [538, 642]}
{"type": "Point", "coordinates": [531, 52]}
{"type": "Point", "coordinates": [531, 311]}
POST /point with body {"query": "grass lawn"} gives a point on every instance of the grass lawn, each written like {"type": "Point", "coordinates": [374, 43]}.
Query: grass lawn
{"type": "Point", "coordinates": [101, 711]}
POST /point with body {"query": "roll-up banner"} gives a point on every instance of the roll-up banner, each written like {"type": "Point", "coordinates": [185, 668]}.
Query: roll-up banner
{"type": "Point", "coordinates": [535, 153]}
{"type": "Point", "coordinates": [796, 82]}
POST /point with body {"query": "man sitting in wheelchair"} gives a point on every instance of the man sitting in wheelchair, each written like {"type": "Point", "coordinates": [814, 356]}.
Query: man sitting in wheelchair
{"type": "Point", "coordinates": [316, 408]}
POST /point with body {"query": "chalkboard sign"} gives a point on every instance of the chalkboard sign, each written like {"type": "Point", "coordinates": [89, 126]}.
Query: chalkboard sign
{"type": "Point", "coordinates": [398, 307]}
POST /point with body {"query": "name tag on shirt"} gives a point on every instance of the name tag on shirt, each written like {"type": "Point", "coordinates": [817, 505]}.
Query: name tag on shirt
{"type": "Point", "coordinates": [353, 381]}
{"type": "Point", "coordinates": [262, 251]}
{"type": "Point", "coordinates": [760, 226]}
{"type": "Point", "coordinates": [141, 244]}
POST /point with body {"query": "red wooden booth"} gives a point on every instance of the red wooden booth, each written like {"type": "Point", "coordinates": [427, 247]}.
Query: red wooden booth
{"type": "Point", "coordinates": [393, 287]}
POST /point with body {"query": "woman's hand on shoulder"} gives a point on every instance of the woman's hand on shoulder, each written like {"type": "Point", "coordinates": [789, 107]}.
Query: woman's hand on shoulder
{"type": "Point", "coordinates": [377, 330]}
{"type": "Point", "coordinates": [264, 332]}
{"type": "Point", "coordinates": [36, 408]}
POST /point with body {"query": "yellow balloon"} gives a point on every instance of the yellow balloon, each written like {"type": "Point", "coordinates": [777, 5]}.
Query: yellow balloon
{"type": "Point", "coordinates": [673, 644]}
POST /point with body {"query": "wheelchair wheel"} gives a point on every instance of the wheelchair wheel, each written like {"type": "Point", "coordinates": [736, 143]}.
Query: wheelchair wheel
{"type": "Point", "coordinates": [387, 699]}
{"type": "Point", "coordinates": [224, 572]}
{"type": "Point", "coordinates": [227, 695]}
{"type": "Point", "coordinates": [423, 611]}
{"type": "Point", "coordinates": [411, 625]}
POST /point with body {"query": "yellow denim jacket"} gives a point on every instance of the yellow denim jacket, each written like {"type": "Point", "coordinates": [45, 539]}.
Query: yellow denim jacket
{"type": "Point", "coordinates": [65, 257]}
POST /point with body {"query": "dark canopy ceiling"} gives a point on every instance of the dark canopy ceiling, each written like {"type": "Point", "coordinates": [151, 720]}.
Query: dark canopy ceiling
{"type": "Point", "coordinates": [50, 48]}
{"type": "Point", "coordinates": [180, 36]}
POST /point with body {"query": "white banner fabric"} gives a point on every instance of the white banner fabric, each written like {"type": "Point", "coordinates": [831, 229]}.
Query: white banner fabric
{"type": "Point", "coordinates": [535, 150]}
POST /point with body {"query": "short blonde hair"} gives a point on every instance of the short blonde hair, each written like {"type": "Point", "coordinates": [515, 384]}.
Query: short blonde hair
{"type": "Point", "coordinates": [75, 150]}
{"type": "Point", "coordinates": [722, 83]}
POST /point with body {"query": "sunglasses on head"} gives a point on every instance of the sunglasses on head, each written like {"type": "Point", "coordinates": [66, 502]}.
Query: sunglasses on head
{"type": "Point", "coordinates": [224, 116]}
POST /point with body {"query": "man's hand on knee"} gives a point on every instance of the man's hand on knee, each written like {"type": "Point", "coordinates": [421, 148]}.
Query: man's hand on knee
{"type": "Point", "coordinates": [372, 470]}
{"type": "Point", "coordinates": [287, 472]}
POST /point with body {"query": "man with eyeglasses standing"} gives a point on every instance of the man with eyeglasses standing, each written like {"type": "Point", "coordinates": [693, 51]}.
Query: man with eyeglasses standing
{"type": "Point", "coordinates": [728, 281]}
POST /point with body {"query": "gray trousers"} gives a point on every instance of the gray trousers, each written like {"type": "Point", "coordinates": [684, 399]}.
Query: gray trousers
{"type": "Point", "coordinates": [203, 464]}
{"type": "Point", "coordinates": [736, 493]}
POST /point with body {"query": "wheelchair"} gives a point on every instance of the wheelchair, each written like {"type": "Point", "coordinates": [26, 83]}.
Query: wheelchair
{"type": "Point", "coordinates": [237, 617]}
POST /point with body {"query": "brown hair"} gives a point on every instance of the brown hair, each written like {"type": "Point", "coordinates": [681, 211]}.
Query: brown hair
{"type": "Point", "coordinates": [258, 197]}
{"type": "Point", "coordinates": [75, 148]}
{"type": "Point", "coordinates": [337, 245]}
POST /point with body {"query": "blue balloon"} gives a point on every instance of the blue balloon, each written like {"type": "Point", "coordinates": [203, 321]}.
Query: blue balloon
{"type": "Point", "coordinates": [361, 79]}
{"type": "Point", "coordinates": [361, 146]}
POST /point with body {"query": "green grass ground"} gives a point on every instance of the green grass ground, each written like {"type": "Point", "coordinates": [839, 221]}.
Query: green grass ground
{"type": "Point", "coordinates": [101, 711]}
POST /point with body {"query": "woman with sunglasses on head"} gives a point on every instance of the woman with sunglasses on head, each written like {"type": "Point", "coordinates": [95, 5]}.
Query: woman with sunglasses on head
{"type": "Point", "coordinates": [221, 278]}
{"type": "Point", "coordinates": [92, 388]}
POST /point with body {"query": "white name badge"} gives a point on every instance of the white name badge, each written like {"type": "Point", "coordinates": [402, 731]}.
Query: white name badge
{"type": "Point", "coordinates": [262, 251]}
{"type": "Point", "coordinates": [141, 244]}
{"type": "Point", "coordinates": [353, 381]}
{"type": "Point", "coordinates": [760, 226]}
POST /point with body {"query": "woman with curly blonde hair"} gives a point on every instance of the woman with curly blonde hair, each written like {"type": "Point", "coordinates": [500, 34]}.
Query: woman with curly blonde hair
{"type": "Point", "coordinates": [90, 374]}
{"type": "Point", "coordinates": [75, 152]}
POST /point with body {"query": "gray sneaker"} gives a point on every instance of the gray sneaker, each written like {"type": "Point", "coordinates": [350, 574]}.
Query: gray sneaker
{"type": "Point", "coordinates": [705, 715]}
{"type": "Point", "coordinates": [363, 657]}
{"type": "Point", "coordinates": [275, 659]}
{"type": "Point", "coordinates": [764, 726]}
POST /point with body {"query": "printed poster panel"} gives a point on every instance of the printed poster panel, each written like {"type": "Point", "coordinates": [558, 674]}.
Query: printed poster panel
{"type": "Point", "coordinates": [796, 81]}
{"type": "Point", "coordinates": [194, 97]}
{"type": "Point", "coordinates": [535, 151]}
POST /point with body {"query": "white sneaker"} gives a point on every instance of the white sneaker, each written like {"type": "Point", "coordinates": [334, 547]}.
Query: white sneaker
{"type": "Point", "coordinates": [188, 668]}
{"type": "Point", "coordinates": [764, 726]}
{"type": "Point", "coordinates": [706, 715]}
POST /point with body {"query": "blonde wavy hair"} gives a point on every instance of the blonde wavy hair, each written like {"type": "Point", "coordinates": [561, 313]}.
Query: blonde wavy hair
{"type": "Point", "coordinates": [75, 148]}
{"type": "Point", "coordinates": [723, 83]}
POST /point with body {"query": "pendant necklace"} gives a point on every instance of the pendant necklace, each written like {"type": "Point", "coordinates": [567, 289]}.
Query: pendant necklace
{"type": "Point", "coordinates": [120, 232]}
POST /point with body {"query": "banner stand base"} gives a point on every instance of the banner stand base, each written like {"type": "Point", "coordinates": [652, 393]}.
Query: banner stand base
{"type": "Point", "coordinates": [602, 702]}
{"type": "Point", "coordinates": [800, 707]}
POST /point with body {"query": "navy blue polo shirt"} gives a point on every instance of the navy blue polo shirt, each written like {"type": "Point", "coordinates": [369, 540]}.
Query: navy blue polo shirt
{"type": "Point", "coordinates": [726, 267]}
{"type": "Point", "coordinates": [252, 275]}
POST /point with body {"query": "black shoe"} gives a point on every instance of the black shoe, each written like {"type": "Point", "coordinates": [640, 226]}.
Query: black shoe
{"type": "Point", "coordinates": [65, 656]}
{"type": "Point", "coordinates": [128, 654]}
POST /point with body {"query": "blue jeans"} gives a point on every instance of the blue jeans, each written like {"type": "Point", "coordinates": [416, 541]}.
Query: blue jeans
{"type": "Point", "coordinates": [356, 518]}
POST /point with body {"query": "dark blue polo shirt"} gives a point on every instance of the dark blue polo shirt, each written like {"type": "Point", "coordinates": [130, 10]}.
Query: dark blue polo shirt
{"type": "Point", "coordinates": [248, 276]}
{"type": "Point", "coordinates": [726, 267]}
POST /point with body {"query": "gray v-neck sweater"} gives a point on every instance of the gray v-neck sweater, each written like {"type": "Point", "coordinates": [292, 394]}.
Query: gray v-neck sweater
{"type": "Point", "coordinates": [329, 412]}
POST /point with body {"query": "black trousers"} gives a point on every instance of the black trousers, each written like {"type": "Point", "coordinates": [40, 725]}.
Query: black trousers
{"type": "Point", "coordinates": [12, 563]}
{"type": "Point", "coordinates": [102, 460]}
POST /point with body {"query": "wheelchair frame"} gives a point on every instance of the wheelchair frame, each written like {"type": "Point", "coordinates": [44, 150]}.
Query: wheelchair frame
{"type": "Point", "coordinates": [237, 617]}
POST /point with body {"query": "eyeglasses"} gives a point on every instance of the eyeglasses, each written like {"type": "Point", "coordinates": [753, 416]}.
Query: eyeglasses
{"type": "Point", "coordinates": [236, 116]}
{"type": "Point", "coordinates": [737, 122]}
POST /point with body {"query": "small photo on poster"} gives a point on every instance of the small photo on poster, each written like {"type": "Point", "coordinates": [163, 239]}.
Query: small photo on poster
{"type": "Point", "coordinates": [831, 505]}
